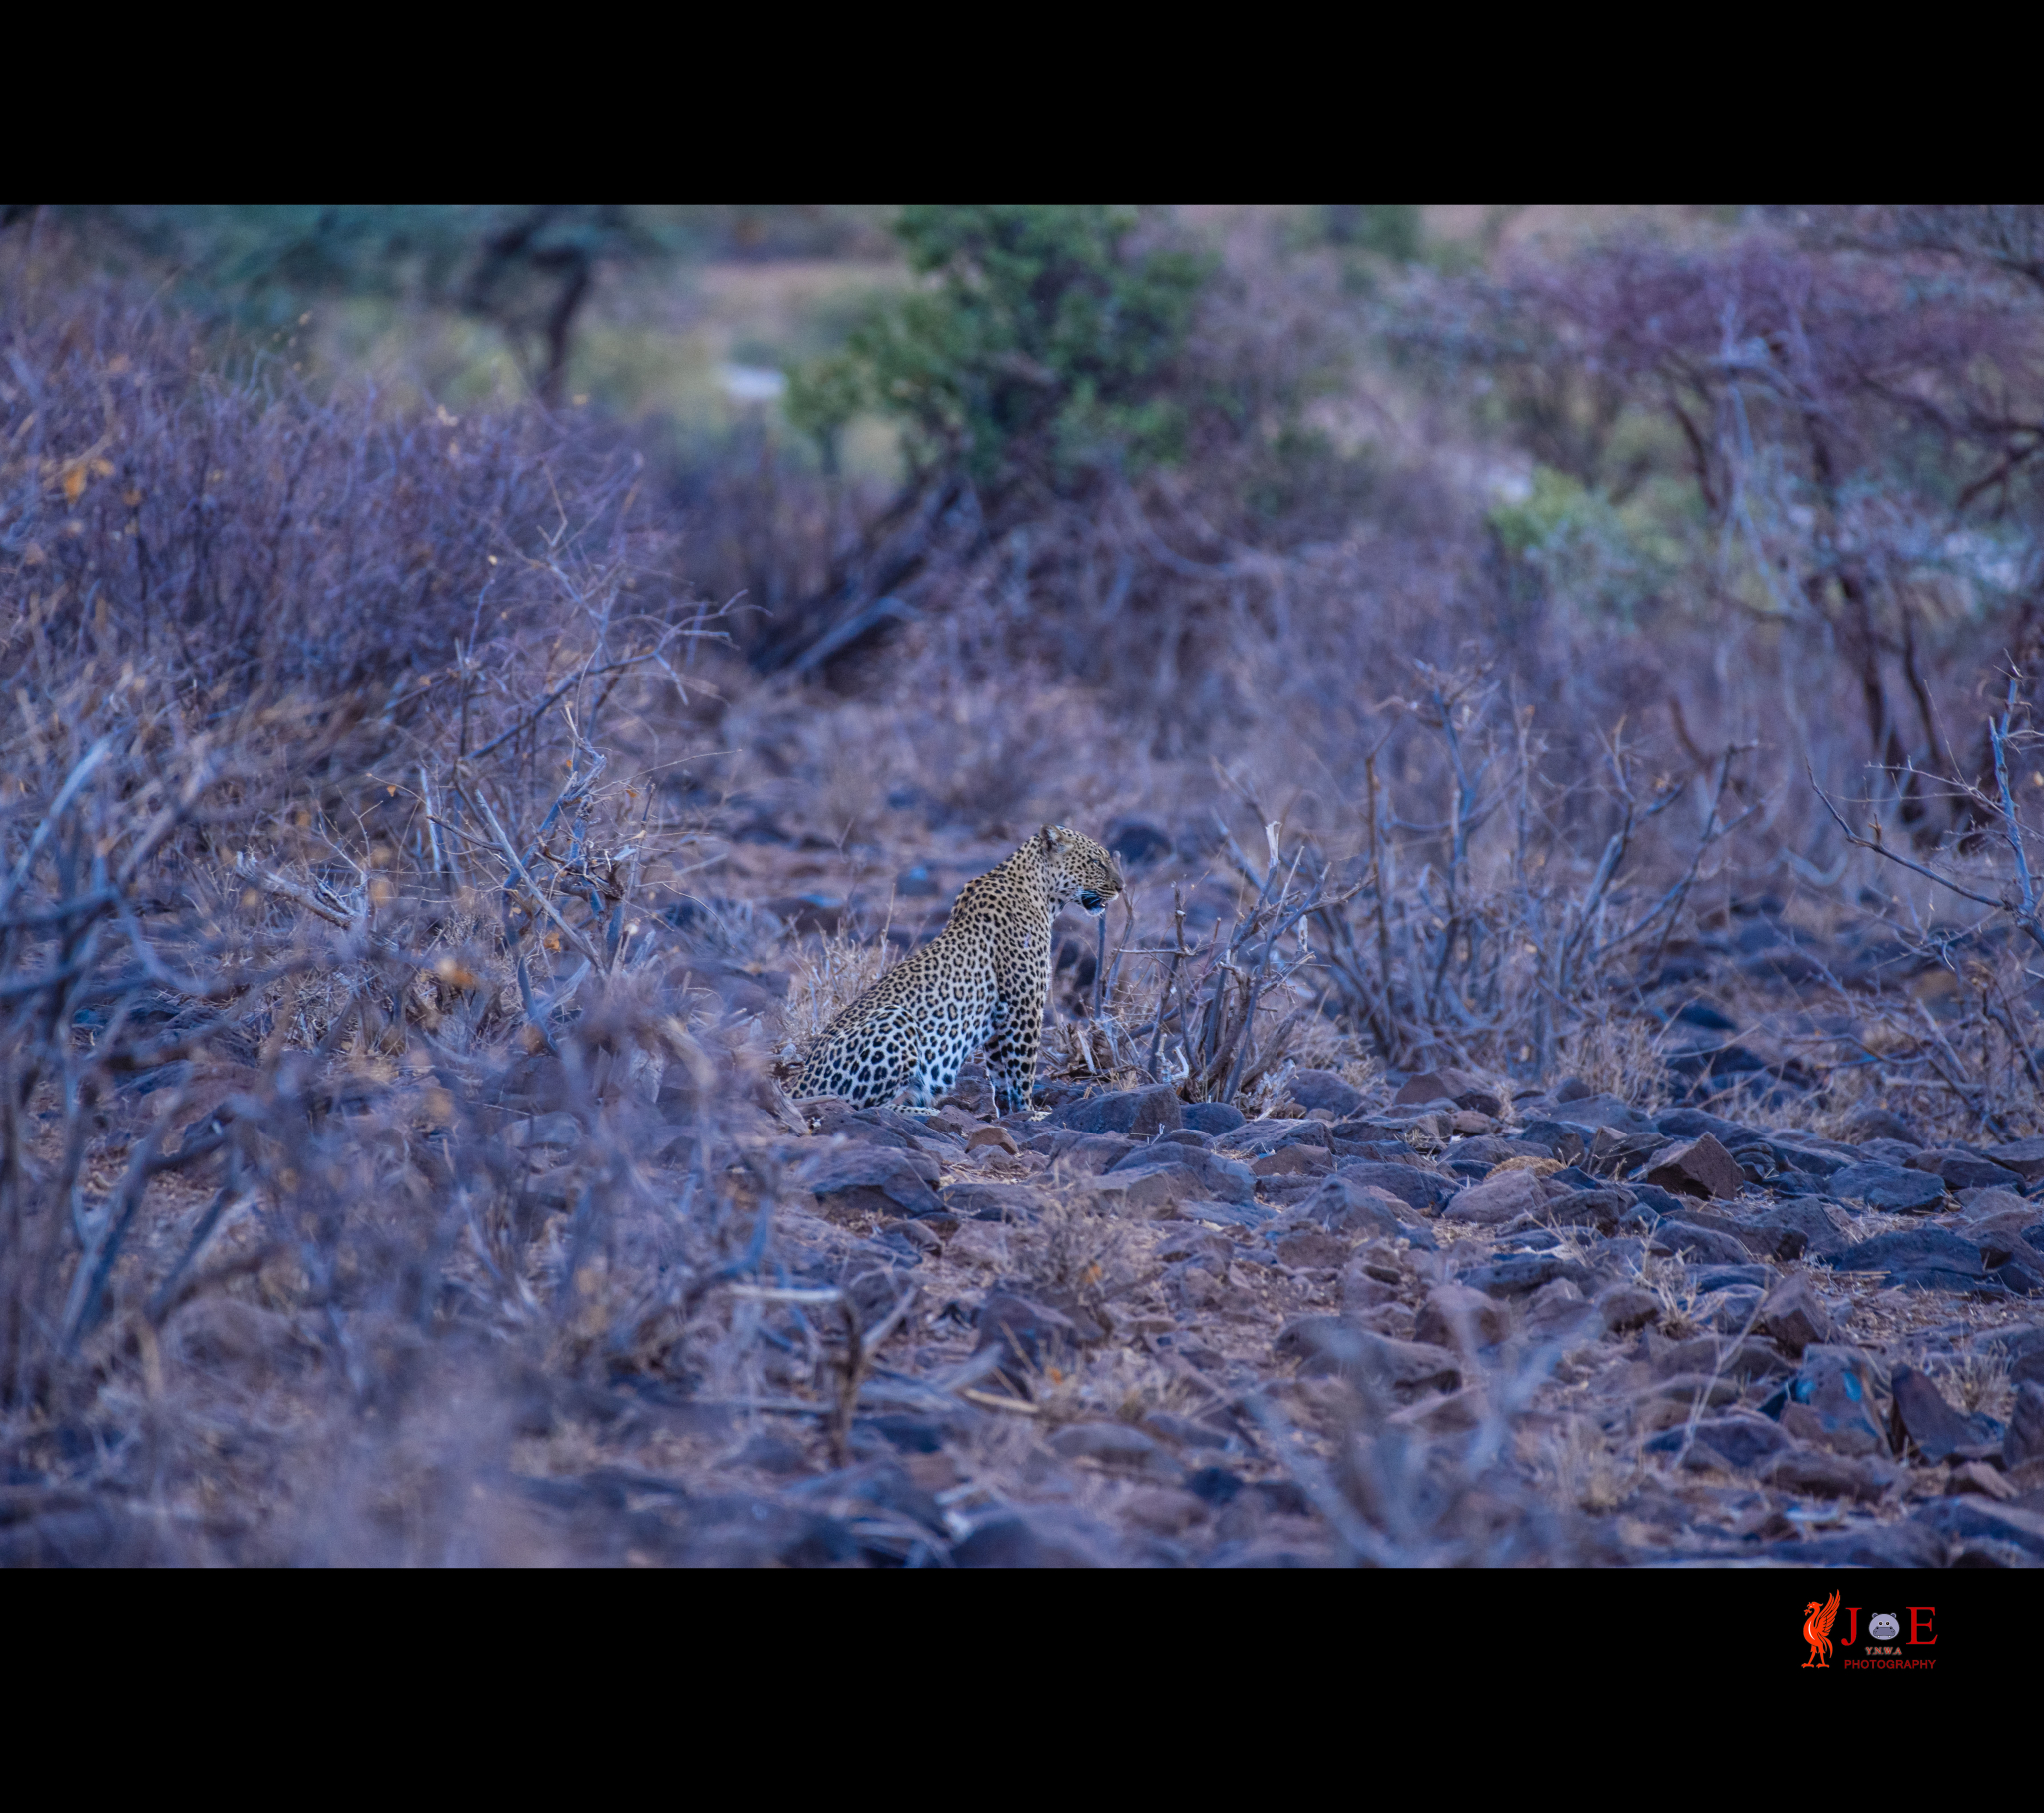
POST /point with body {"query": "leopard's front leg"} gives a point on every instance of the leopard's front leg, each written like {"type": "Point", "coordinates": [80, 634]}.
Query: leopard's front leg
{"type": "Point", "coordinates": [1010, 1061]}
{"type": "Point", "coordinates": [1015, 1037]}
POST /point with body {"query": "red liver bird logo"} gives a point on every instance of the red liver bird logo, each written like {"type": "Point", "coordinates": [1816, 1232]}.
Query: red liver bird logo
{"type": "Point", "coordinates": [1816, 1631]}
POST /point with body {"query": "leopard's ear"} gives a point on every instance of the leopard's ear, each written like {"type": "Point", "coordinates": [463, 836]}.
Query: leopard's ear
{"type": "Point", "coordinates": [1047, 840]}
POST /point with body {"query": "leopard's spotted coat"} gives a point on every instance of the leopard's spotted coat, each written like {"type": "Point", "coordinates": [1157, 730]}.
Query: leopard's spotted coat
{"type": "Point", "coordinates": [982, 981]}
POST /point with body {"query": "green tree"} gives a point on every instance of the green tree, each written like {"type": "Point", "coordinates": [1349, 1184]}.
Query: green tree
{"type": "Point", "coordinates": [528, 268]}
{"type": "Point", "coordinates": [1039, 347]}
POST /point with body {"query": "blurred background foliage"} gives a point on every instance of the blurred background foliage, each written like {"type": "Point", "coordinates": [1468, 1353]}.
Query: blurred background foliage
{"type": "Point", "coordinates": [1635, 419]}
{"type": "Point", "coordinates": [1042, 346]}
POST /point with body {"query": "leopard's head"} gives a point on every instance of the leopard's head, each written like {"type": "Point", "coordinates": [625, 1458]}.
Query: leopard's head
{"type": "Point", "coordinates": [1076, 869]}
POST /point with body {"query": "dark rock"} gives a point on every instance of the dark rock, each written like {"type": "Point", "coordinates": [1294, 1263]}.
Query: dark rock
{"type": "Point", "coordinates": [1685, 1239]}
{"type": "Point", "coordinates": [1603, 1110]}
{"type": "Point", "coordinates": [1796, 1231]}
{"type": "Point", "coordinates": [882, 1482]}
{"type": "Point", "coordinates": [2024, 1437]}
{"type": "Point", "coordinates": [995, 1201]}
{"type": "Point", "coordinates": [1831, 1402]}
{"type": "Point", "coordinates": [2001, 1237]}
{"type": "Point", "coordinates": [1503, 1197]}
{"type": "Point", "coordinates": [81, 1530]}
{"type": "Point", "coordinates": [1999, 1242]}
{"type": "Point", "coordinates": [1344, 1204]}
{"type": "Point", "coordinates": [1041, 1536]}
{"type": "Point", "coordinates": [1283, 1498]}
{"type": "Point", "coordinates": [1486, 1148]}
{"type": "Point", "coordinates": [1741, 1442]}
{"type": "Point", "coordinates": [1867, 1545]}
{"type": "Point", "coordinates": [1558, 1312]}
{"type": "Point", "coordinates": [2023, 1157]}
{"type": "Point", "coordinates": [1416, 1188]}
{"type": "Point", "coordinates": [1031, 1337]}
{"type": "Point", "coordinates": [1377, 1148]}
{"type": "Point", "coordinates": [1458, 1087]}
{"type": "Point", "coordinates": [1789, 1185]}
{"type": "Point", "coordinates": [1151, 1190]}
{"type": "Point", "coordinates": [1116, 1445]}
{"type": "Point", "coordinates": [2018, 1279]}
{"type": "Point", "coordinates": [1215, 1484]}
{"type": "Point", "coordinates": [1972, 1519]}
{"type": "Point", "coordinates": [1696, 1167]}
{"type": "Point", "coordinates": [905, 1434]}
{"type": "Point", "coordinates": [871, 1181]}
{"type": "Point", "coordinates": [1188, 1432]}
{"type": "Point", "coordinates": [1807, 1158]}
{"type": "Point", "coordinates": [1259, 1139]}
{"type": "Point", "coordinates": [1794, 1315]}
{"type": "Point", "coordinates": [1915, 1249]}
{"type": "Point", "coordinates": [1692, 1123]}
{"type": "Point", "coordinates": [1732, 1310]}
{"type": "Point", "coordinates": [1734, 1277]}
{"type": "Point", "coordinates": [737, 1530]}
{"type": "Point", "coordinates": [1523, 1274]}
{"type": "Point", "coordinates": [1215, 1176]}
{"type": "Point", "coordinates": [1878, 1124]}
{"type": "Point", "coordinates": [1308, 1250]}
{"type": "Point", "coordinates": [1574, 1176]}
{"type": "Point", "coordinates": [1625, 1307]}
{"type": "Point", "coordinates": [1937, 1277]}
{"type": "Point", "coordinates": [1621, 1256]}
{"type": "Point", "coordinates": [1563, 1140]}
{"type": "Point", "coordinates": [1328, 1344]}
{"type": "Point", "coordinates": [1921, 1415]}
{"type": "Point", "coordinates": [1080, 1154]}
{"type": "Point", "coordinates": [1822, 1473]}
{"type": "Point", "coordinates": [1323, 1088]}
{"type": "Point", "coordinates": [1252, 1215]}
{"type": "Point", "coordinates": [1299, 1159]}
{"type": "Point", "coordinates": [1601, 1209]}
{"type": "Point", "coordinates": [1571, 1089]}
{"type": "Point", "coordinates": [916, 1134]}
{"type": "Point", "coordinates": [1888, 1187]}
{"type": "Point", "coordinates": [1455, 1316]}
{"type": "Point", "coordinates": [1213, 1116]}
{"type": "Point", "coordinates": [1656, 1203]}
{"type": "Point", "coordinates": [2023, 1348]}
{"type": "Point", "coordinates": [1966, 1171]}
{"type": "Point", "coordinates": [1005, 1541]}
{"type": "Point", "coordinates": [1184, 1135]}
{"type": "Point", "coordinates": [1713, 1354]}
{"type": "Point", "coordinates": [1135, 1112]}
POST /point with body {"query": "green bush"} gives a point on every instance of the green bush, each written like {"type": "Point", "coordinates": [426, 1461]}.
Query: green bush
{"type": "Point", "coordinates": [1039, 349]}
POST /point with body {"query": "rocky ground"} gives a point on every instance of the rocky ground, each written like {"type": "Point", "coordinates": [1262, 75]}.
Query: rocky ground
{"type": "Point", "coordinates": [1441, 1326]}
{"type": "Point", "coordinates": [1403, 1319]}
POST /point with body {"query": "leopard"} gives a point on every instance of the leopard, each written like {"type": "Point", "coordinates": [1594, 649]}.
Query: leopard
{"type": "Point", "coordinates": [980, 983]}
